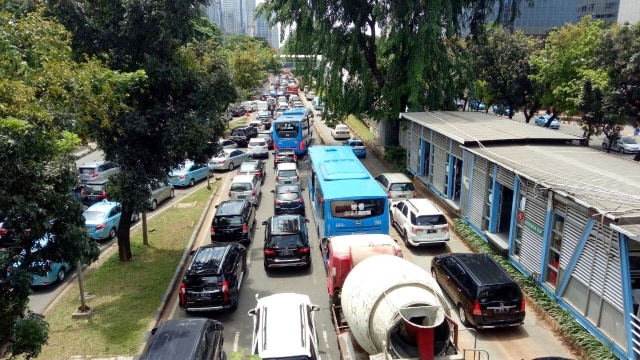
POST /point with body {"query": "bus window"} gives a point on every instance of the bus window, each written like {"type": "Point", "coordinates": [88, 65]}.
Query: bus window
{"type": "Point", "coordinates": [357, 209]}
{"type": "Point", "coordinates": [287, 129]}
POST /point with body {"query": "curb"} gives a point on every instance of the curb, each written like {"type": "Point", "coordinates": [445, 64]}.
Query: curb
{"type": "Point", "coordinates": [177, 272]}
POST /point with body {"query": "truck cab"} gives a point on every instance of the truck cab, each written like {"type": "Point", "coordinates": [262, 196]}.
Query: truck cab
{"type": "Point", "coordinates": [341, 253]}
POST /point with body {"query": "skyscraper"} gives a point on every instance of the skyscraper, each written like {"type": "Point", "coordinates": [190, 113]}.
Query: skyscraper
{"type": "Point", "coordinates": [237, 17]}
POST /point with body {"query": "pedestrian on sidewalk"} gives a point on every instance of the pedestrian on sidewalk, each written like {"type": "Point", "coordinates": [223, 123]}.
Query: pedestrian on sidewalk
{"type": "Point", "coordinates": [636, 129]}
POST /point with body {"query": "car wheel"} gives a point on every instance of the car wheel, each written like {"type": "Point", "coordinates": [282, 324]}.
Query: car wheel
{"type": "Point", "coordinates": [154, 205]}
{"type": "Point", "coordinates": [192, 182]}
{"type": "Point", "coordinates": [112, 233]}
{"type": "Point", "coordinates": [61, 274]}
{"type": "Point", "coordinates": [463, 316]}
{"type": "Point", "coordinates": [433, 274]}
{"type": "Point", "coordinates": [604, 146]}
{"type": "Point", "coordinates": [231, 167]}
{"type": "Point", "coordinates": [405, 238]}
{"type": "Point", "coordinates": [172, 194]}
{"type": "Point", "coordinates": [135, 217]}
{"type": "Point", "coordinates": [621, 150]}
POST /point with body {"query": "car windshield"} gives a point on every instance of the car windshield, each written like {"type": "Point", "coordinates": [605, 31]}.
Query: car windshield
{"type": "Point", "coordinates": [240, 187]}
{"type": "Point", "coordinates": [287, 129]}
{"type": "Point", "coordinates": [628, 141]}
{"type": "Point", "coordinates": [287, 240]}
{"type": "Point", "coordinates": [227, 220]}
{"type": "Point", "coordinates": [402, 187]}
{"type": "Point", "coordinates": [93, 215]}
{"type": "Point", "coordinates": [425, 220]}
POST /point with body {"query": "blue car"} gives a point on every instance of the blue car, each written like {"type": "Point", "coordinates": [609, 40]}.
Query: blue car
{"type": "Point", "coordinates": [188, 173]}
{"type": "Point", "coordinates": [102, 219]}
{"type": "Point", "coordinates": [477, 105]}
{"type": "Point", "coordinates": [55, 271]}
{"type": "Point", "coordinates": [358, 147]}
{"type": "Point", "coordinates": [542, 120]}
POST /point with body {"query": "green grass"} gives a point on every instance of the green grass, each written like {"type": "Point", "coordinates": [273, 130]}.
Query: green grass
{"type": "Point", "coordinates": [124, 296]}
{"type": "Point", "coordinates": [360, 128]}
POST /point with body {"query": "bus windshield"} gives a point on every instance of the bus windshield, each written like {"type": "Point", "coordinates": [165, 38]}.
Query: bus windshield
{"type": "Point", "coordinates": [287, 129]}
{"type": "Point", "coordinates": [357, 208]}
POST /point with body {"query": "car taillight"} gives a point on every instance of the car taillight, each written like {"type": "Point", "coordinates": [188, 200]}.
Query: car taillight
{"type": "Point", "coordinates": [269, 252]}
{"type": "Point", "coordinates": [213, 230]}
{"type": "Point", "coordinates": [183, 289]}
{"type": "Point", "coordinates": [389, 194]}
{"type": "Point", "coordinates": [303, 250]}
{"type": "Point", "coordinates": [476, 308]}
{"type": "Point", "coordinates": [295, 157]}
{"type": "Point", "coordinates": [225, 291]}
{"type": "Point", "coordinates": [414, 230]}
{"type": "Point", "coordinates": [100, 226]}
{"type": "Point", "coordinates": [300, 201]}
{"type": "Point", "coordinates": [183, 176]}
{"type": "Point", "coordinates": [277, 177]}
{"type": "Point", "coordinates": [522, 305]}
{"type": "Point", "coordinates": [253, 193]}
{"type": "Point", "coordinates": [275, 146]}
{"type": "Point", "coordinates": [102, 196]}
{"type": "Point", "coordinates": [446, 228]}
{"type": "Point", "coordinates": [414, 193]}
{"type": "Point", "coordinates": [245, 228]}
{"type": "Point", "coordinates": [301, 146]}
{"type": "Point", "coordinates": [94, 175]}
{"type": "Point", "coordinates": [3, 231]}
{"type": "Point", "coordinates": [229, 193]}
{"type": "Point", "coordinates": [259, 174]}
{"type": "Point", "coordinates": [221, 161]}
{"type": "Point", "coordinates": [278, 202]}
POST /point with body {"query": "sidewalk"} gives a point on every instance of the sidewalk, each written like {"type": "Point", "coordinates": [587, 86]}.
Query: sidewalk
{"type": "Point", "coordinates": [84, 150]}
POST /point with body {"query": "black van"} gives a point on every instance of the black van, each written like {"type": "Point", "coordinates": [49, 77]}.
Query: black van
{"type": "Point", "coordinates": [188, 339]}
{"type": "Point", "coordinates": [484, 294]}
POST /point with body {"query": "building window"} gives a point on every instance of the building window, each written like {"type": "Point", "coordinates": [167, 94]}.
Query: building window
{"type": "Point", "coordinates": [555, 247]}
{"type": "Point", "coordinates": [487, 205]}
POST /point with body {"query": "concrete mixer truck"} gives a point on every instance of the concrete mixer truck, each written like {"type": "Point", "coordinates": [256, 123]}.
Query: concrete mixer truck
{"type": "Point", "coordinates": [387, 307]}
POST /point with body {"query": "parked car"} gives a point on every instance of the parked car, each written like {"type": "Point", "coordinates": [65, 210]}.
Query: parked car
{"type": "Point", "coordinates": [246, 187]}
{"type": "Point", "coordinates": [254, 167]}
{"type": "Point", "coordinates": [287, 174]}
{"type": "Point", "coordinates": [420, 222]}
{"type": "Point", "coordinates": [284, 156]}
{"type": "Point", "coordinates": [234, 220]}
{"type": "Point", "coordinates": [358, 147]}
{"type": "Point", "coordinates": [267, 135]}
{"type": "Point", "coordinates": [483, 293]}
{"type": "Point", "coordinates": [542, 120]}
{"type": "Point", "coordinates": [228, 159]}
{"type": "Point", "coordinates": [275, 325]}
{"type": "Point", "coordinates": [286, 242]}
{"type": "Point", "coordinates": [103, 218]}
{"type": "Point", "coordinates": [96, 171]}
{"type": "Point", "coordinates": [160, 191]}
{"type": "Point", "coordinates": [318, 104]}
{"type": "Point", "coordinates": [238, 110]}
{"type": "Point", "coordinates": [340, 132]}
{"type": "Point", "coordinates": [8, 222]}
{"type": "Point", "coordinates": [45, 272]}
{"type": "Point", "coordinates": [94, 191]}
{"type": "Point", "coordinates": [397, 185]}
{"type": "Point", "coordinates": [288, 199]}
{"type": "Point", "coordinates": [501, 109]}
{"type": "Point", "coordinates": [188, 173]}
{"type": "Point", "coordinates": [186, 339]}
{"type": "Point", "coordinates": [477, 105]}
{"type": "Point", "coordinates": [213, 278]}
{"type": "Point", "coordinates": [258, 148]}
{"type": "Point", "coordinates": [624, 145]}
{"type": "Point", "coordinates": [242, 134]}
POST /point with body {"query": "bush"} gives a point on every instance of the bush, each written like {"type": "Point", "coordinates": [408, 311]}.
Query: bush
{"type": "Point", "coordinates": [396, 157]}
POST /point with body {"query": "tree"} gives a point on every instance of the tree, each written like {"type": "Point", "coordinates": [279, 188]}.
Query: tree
{"type": "Point", "coordinates": [502, 62]}
{"type": "Point", "coordinates": [249, 60]}
{"type": "Point", "coordinates": [380, 57]}
{"type": "Point", "coordinates": [43, 93]}
{"type": "Point", "coordinates": [620, 55]}
{"type": "Point", "coordinates": [600, 114]}
{"type": "Point", "coordinates": [176, 112]}
{"type": "Point", "coordinates": [566, 61]}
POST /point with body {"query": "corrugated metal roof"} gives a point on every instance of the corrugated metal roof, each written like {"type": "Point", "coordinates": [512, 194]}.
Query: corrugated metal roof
{"type": "Point", "coordinates": [604, 182]}
{"type": "Point", "coordinates": [467, 127]}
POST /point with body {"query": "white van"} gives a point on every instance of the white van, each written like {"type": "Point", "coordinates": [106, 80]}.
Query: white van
{"type": "Point", "coordinates": [262, 105]}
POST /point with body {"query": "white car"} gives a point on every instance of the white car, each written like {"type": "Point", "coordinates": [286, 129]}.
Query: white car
{"type": "Point", "coordinates": [341, 132]}
{"type": "Point", "coordinates": [250, 105]}
{"type": "Point", "coordinates": [283, 106]}
{"type": "Point", "coordinates": [419, 222]}
{"type": "Point", "coordinates": [624, 145]}
{"type": "Point", "coordinates": [258, 147]}
{"type": "Point", "coordinates": [310, 95]}
{"type": "Point", "coordinates": [298, 104]}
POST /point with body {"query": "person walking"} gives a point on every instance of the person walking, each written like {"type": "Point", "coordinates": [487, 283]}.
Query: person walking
{"type": "Point", "coordinates": [636, 129]}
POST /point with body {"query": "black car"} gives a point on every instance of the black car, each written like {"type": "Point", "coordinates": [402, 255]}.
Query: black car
{"type": "Point", "coordinates": [8, 222]}
{"type": "Point", "coordinates": [286, 242]}
{"type": "Point", "coordinates": [253, 167]}
{"type": "Point", "coordinates": [234, 221]}
{"type": "Point", "coordinates": [94, 191]}
{"type": "Point", "coordinates": [485, 295]}
{"type": "Point", "coordinates": [187, 339]}
{"type": "Point", "coordinates": [242, 134]}
{"type": "Point", "coordinates": [238, 110]}
{"type": "Point", "coordinates": [287, 199]}
{"type": "Point", "coordinates": [213, 278]}
{"type": "Point", "coordinates": [283, 156]}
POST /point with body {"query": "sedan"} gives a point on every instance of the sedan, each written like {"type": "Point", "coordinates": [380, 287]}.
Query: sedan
{"type": "Point", "coordinates": [358, 147]}
{"type": "Point", "coordinates": [45, 272]}
{"type": "Point", "coordinates": [477, 105]}
{"type": "Point", "coordinates": [160, 191]}
{"type": "Point", "coordinates": [624, 145]}
{"type": "Point", "coordinates": [238, 110]}
{"type": "Point", "coordinates": [288, 199]}
{"type": "Point", "coordinates": [542, 121]}
{"type": "Point", "coordinates": [341, 132]}
{"type": "Point", "coordinates": [227, 144]}
{"type": "Point", "coordinates": [102, 219]}
{"type": "Point", "coordinates": [253, 167]}
{"type": "Point", "coordinates": [228, 159]}
{"type": "Point", "coordinates": [188, 173]}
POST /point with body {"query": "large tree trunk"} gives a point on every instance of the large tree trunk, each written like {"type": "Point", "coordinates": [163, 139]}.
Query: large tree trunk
{"type": "Point", "coordinates": [124, 238]}
{"type": "Point", "coordinates": [145, 236]}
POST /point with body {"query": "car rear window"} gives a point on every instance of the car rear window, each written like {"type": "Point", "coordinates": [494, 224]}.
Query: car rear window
{"type": "Point", "coordinates": [287, 173]}
{"type": "Point", "coordinates": [425, 220]}
{"type": "Point", "coordinates": [258, 143]}
{"type": "Point", "coordinates": [285, 240]}
{"type": "Point", "coordinates": [357, 143]}
{"type": "Point", "coordinates": [288, 196]}
{"type": "Point", "coordinates": [86, 170]}
{"type": "Point", "coordinates": [240, 186]}
{"type": "Point", "coordinates": [93, 188]}
{"type": "Point", "coordinates": [227, 220]}
{"type": "Point", "coordinates": [237, 132]}
{"type": "Point", "coordinates": [402, 187]}
{"type": "Point", "coordinates": [506, 292]}
{"type": "Point", "coordinates": [208, 261]}
{"type": "Point", "coordinates": [93, 215]}
{"type": "Point", "coordinates": [248, 167]}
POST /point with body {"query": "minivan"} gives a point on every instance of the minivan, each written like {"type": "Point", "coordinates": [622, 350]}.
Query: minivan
{"type": "Point", "coordinates": [287, 174]}
{"type": "Point", "coordinates": [397, 185]}
{"type": "Point", "coordinates": [188, 339]}
{"type": "Point", "coordinates": [483, 293]}
{"type": "Point", "coordinates": [246, 187]}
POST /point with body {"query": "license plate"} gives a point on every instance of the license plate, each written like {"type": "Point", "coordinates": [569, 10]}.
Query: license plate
{"type": "Point", "coordinates": [174, 178]}
{"type": "Point", "coordinates": [241, 196]}
{"type": "Point", "coordinates": [501, 311]}
{"type": "Point", "coordinates": [287, 182]}
{"type": "Point", "coordinates": [286, 252]}
{"type": "Point", "coordinates": [432, 231]}
{"type": "Point", "coordinates": [402, 196]}
{"type": "Point", "coordinates": [93, 198]}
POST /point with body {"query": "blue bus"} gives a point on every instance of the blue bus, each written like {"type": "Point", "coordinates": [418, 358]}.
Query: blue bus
{"type": "Point", "coordinates": [292, 130]}
{"type": "Point", "coordinates": [345, 198]}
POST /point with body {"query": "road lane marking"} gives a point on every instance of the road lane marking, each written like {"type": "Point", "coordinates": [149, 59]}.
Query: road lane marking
{"type": "Point", "coordinates": [236, 340]}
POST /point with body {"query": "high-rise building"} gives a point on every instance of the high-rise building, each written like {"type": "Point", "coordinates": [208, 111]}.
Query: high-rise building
{"type": "Point", "coordinates": [629, 11]}
{"type": "Point", "coordinates": [269, 33]}
{"type": "Point", "coordinates": [237, 17]}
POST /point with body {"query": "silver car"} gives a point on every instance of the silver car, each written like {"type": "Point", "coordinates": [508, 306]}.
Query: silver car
{"type": "Point", "coordinates": [96, 171]}
{"type": "Point", "coordinates": [160, 191]}
{"type": "Point", "coordinates": [228, 159]}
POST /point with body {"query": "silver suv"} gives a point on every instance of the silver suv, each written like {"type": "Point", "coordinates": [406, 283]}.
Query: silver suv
{"type": "Point", "coordinates": [246, 187]}
{"type": "Point", "coordinates": [96, 171]}
{"type": "Point", "coordinates": [287, 174]}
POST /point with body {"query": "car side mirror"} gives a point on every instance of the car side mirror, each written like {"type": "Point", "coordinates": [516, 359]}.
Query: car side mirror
{"type": "Point", "coordinates": [301, 189]}
{"type": "Point", "coordinates": [264, 223]}
{"type": "Point", "coordinates": [315, 308]}
{"type": "Point", "coordinates": [251, 312]}
{"type": "Point", "coordinates": [273, 191]}
{"type": "Point", "coordinates": [306, 220]}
